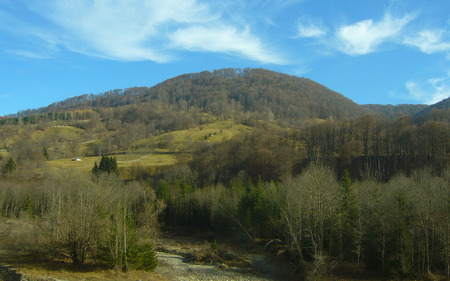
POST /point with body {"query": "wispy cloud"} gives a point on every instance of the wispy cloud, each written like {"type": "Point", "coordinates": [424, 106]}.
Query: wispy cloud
{"type": "Point", "coordinates": [144, 30]}
{"type": "Point", "coordinates": [430, 41]}
{"type": "Point", "coordinates": [309, 29]}
{"type": "Point", "coordinates": [366, 36]}
{"type": "Point", "coordinates": [433, 91]}
{"type": "Point", "coordinates": [223, 39]}
{"type": "Point", "coordinates": [28, 54]}
{"type": "Point", "coordinates": [5, 96]}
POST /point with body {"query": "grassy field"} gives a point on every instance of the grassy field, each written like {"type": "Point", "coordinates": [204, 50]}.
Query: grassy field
{"type": "Point", "coordinates": [147, 154]}
{"type": "Point", "coordinates": [212, 132]}
{"type": "Point", "coordinates": [125, 162]}
{"type": "Point", "coordinates": [4, 155]}
{"type": "Point", "coordinates": [68, 132]}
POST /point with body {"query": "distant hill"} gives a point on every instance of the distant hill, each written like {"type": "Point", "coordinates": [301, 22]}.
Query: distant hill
{"type": "Point", "coordinates": [247, 94]}
{"type": "Point", "coordinates": [439, 112]}
{"type": "Point", "coordinates": [393, 111]}
{"type": "Point", "coordinates": [259, 93]}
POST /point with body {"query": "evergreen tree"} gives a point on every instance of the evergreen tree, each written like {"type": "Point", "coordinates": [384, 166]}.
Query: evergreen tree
{"type": "Point", "coordinates": [104, 164]}
{"type": "Point", "coordinates": [10, 166]}
{"type": "Point", "coordinates": [28, 207]}
{"type": "Point", "coordinates": [45, 153]}
{"type": "Point", "coordinates": [121, 249]}
{"type": "Point", "coordinates": [107, 164]}
{"type": "Point", "coordinates": [95, 170]}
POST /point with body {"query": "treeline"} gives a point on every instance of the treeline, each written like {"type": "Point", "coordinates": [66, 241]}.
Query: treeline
{"type": "Point", "coordinates": [77, 218]}
{"type": "Point", "coordinates": [373, 146]}
{"type": "Point", "coordinates": [400, 228]}
{"type": "Point", "coordinates": [378, 145]}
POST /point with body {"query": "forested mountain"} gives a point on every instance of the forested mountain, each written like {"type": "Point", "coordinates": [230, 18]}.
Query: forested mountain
{"type": "Point", "coordinates": [439, 111]}
{"type": "Point", "coordinates": [394, 111]}
{"type": "Point", "coordinates": [261, 93]}
{"type": "Point", "coordinates": [252, 153]}
{"type": "Point", "coordinates": [254, 93]}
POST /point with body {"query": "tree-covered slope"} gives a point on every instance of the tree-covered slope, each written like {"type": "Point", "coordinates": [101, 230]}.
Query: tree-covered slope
{"type": "Point", "coordinates": [263, 94]}
{"type": "Point", "coordinates": [439, 112]}
{"type": "Point", "coordinates": [394, 111]}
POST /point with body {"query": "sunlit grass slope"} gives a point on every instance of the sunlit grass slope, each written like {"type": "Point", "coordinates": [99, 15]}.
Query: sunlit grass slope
{"type": "Point", "coordinates": [151, 153]}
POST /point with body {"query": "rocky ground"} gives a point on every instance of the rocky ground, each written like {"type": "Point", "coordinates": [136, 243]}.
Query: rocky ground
{"type": "Point", "coordinates": [175, 267]}
{"type": "Point", "coordinates": [182, 258]}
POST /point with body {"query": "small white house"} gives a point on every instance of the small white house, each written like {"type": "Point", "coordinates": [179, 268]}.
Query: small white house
{"type": "Point", "coordinates": [76, 159]}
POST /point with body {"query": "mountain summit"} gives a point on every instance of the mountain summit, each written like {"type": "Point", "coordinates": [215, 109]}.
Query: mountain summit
{"type": "Point", "coordinates": [257, 93]}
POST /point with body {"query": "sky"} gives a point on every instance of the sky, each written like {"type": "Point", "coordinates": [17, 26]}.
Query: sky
{"type": "Point", "coordinates": [383, 51]}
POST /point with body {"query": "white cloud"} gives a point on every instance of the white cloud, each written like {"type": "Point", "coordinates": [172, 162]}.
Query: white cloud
{"type": "Point", "coordinates": [223, 39]}
{"type": "Point", "coordinates": [310, 30]}
{"type": "Point", "coordinates": [28, 54]}
{"type": "Point", "coordinates": [433, 91]}
{"type": "Point", "coordinates": [429, 41]}
{"type": "Point", "coordinates": [142, 30]}
{"type": "Point", "coordinates": [5, 96]}
{"type": "Point", "coordinates": [366, 36]}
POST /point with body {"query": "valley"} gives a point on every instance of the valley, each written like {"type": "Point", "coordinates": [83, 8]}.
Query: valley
{"type": "Point", "coordinates": [239, 171]}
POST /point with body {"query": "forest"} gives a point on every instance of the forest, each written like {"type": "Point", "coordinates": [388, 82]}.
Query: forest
{"type": "Point", "coordinates": [327, 184]}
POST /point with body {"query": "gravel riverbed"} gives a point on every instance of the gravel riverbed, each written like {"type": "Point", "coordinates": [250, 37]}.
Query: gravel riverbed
{"type": "Point", "coordinates": [175, 267]}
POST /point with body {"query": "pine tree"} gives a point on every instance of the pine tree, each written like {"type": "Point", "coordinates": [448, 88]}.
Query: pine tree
{"type": "Point", "coordinates": [45, 153]}
{"type": "Point", "coordinates": [95, 170]}
{"type": "Point", "coordinates": [28, 207]}
{"type": "Point", "coordinates": [107, 164]}
{"type": "Point", "coordinates": [121, 249]}
{"type": "Point", "coordinates": [104, 164]}
{"type": "Point", "coordinates": [148, 260]}
{"type": "Point", "coordinates": [10, 166]}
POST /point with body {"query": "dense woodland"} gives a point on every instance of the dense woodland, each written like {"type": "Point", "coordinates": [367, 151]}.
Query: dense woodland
{"type": "Point", "coordinates": [333, 181]}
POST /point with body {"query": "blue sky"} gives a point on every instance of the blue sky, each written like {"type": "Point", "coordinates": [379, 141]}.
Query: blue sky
{"type": "Point", "coordinates": [383, 51]}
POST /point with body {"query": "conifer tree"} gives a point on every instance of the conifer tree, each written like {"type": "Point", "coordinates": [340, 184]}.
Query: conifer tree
{"type": "Point", "coordinates": [45, 153]}
{"type": "Point", "coordinates": [95, 170]}
{"type": "Point", "coordinates": [10, 166]}
{"type": "Point", "coordinates": [107, 164]}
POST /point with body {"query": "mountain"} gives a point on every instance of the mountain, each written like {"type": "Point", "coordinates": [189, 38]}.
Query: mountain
{"type": "Point", "coordinates": [439, 112]}
{"type": "Point", "coordinates": [258, 93]}
{"type": "Point", "coordinates": [393, 111]}
{"type": "Point", "coordinates": [419, 112]}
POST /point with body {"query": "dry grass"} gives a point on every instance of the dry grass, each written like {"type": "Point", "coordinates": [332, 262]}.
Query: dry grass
{"type": "Point", "coordinates": [39, 267]}
{"type": "Point", "coordinates": [67, 273]}
{"type": "Point", "coordinates": [212, 132]}
{"type": "Point", "coordinates": [144, 156]}
{"type": "Point", "coordinates": [21, 247]}
{"type": "Point", "coordinates": [4, 155]}
{"type": "Point", "coordinates": [69, 132]}
{"type": "Point", "coordinates": [125, 163]}
{"type": "Point", "coordinates": [84, 166]}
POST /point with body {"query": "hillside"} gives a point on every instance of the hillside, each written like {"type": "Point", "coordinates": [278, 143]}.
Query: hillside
{"type": "Point", "coordinates": [261, 93]}
{"type": "Point", "coordinates": [439, 111]}
{"type": "Point", "coordinates": [149, 127]}
{"type": "Point", "coordinates": [258, 156]}
{"type": "Point", "coordinates": [393, 111]}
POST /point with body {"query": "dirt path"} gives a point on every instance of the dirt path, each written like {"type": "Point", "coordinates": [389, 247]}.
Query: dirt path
{"type": "Point", "coordinates": [135, 160]}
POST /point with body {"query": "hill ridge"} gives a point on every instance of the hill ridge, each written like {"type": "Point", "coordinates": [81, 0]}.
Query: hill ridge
{"type": "Point", "coordinates": [263, 93]}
